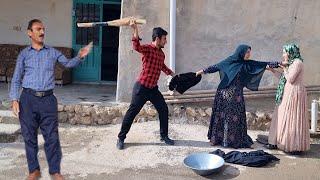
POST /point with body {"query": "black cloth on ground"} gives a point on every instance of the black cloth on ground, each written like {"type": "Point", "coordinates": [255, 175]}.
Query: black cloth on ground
{"type": "Point", "coordinates": [257, 158]}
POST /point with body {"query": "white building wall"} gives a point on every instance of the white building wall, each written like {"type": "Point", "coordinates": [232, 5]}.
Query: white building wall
{"type": "Point", "coordinates": [56, 15]}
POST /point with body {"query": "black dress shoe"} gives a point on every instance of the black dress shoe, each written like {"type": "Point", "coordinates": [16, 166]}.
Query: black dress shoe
{"type": "Point", "coordinates": [120, 144]}
{"type": "Point", "coordinates": [271, 146]}
{"type": "Point", "coordinates": [167, 140]}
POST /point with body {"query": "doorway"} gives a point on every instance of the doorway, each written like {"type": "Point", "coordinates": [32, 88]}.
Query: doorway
{"type": "Point", "coordinates": [102, 63]}
{"type": "Point", "coordinates": [110, 44]}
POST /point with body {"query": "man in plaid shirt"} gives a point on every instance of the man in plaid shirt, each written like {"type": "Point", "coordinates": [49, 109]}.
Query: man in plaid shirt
{"type": "Point", "coordinates": [146, 88]}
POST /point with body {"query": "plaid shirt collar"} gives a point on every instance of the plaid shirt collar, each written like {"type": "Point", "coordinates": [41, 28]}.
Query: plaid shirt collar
{"type": "Point", "coordinates": [155, 47]}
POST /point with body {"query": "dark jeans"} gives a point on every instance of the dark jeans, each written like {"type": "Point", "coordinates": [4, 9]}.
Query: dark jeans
{"type": "Point", "coordinates": [140, 95]}
{"type": "Point", "coordinates": [40, 112]}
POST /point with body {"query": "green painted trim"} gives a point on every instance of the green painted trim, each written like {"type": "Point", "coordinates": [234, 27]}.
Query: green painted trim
{"type": "Point", "coordinates": [90, 69]}
{"type": "Point", "coordinates": [119, 3]}
{"type": "Point", "coordinates": [111, 1]}
{"type": "Point", "coordinates": [88, 72]}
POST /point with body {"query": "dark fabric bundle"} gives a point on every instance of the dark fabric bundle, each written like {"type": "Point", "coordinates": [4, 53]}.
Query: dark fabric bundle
{"type": "Point", "coordinates": [253, 159]}
{"type": "Point", "coordinates": [182, 82]}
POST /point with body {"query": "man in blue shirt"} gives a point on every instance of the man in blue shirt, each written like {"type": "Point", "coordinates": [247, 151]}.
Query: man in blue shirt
{"type": "Point", "coordinates": [37, 106]}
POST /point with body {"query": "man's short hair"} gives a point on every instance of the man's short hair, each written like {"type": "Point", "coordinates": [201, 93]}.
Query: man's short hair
{"type": "Point", "coordinates": [30, 24]}
{"type": "Point", "coordinates": [158, 32]}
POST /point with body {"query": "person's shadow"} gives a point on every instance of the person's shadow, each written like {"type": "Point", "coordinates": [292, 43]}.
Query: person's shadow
{"type": "Point", "coordinates": [192, 143]}
{"type": "Point", "coordinates": [178, 143]}
{"type": "Point", "coordinates": [313, 152]}
{"type": "Point", "coordinates": [226, 172]}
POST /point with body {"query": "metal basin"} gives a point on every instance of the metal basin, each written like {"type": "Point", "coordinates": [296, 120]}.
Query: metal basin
{"type": "Point", "coordinates": [204, 164]}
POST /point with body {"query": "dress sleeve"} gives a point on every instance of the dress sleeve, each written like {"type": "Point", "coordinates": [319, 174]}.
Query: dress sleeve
{"type": "Point", "coordinates": [211, 69]}
{"type": "Point", "coordinates": [274, 64]}
{"type": "Point", "coordinates": [292, 73]}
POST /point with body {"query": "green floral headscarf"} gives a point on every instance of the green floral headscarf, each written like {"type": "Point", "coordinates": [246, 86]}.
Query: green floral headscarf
{"type": "Point", "coordinates": [294, 54]}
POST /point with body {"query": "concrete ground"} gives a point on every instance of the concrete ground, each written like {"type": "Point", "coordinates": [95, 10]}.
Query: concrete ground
{"type": "Point", "coordinates": [89, 152]}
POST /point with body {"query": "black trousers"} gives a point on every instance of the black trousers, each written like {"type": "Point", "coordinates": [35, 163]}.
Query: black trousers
{"type": "Point", "coordinates": [40, 112]}
{"type": "Point", "coordinates": [140, 95]}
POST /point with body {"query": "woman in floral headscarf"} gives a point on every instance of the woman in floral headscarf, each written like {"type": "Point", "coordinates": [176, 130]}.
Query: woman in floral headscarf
{"type": "Point", "coordinates": [289, 129]}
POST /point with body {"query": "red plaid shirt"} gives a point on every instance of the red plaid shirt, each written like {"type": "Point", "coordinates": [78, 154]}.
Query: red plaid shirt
{"type": "Point", "coordinates": [152, 63]}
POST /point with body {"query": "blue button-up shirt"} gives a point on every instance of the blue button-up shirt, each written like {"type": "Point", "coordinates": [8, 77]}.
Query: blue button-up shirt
{"type": "Point", "coordinates": [35, 69]}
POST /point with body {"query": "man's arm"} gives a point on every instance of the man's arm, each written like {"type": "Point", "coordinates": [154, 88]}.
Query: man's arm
{"type": "Point", "coordinates": [83, 52]}
{"type": "Point", "coordinates": [16, 84]}
{"type": "Point", "coordinates": [136, 40]}
{"type": "Point", "coordinates": [167, 70]}
{"type": "Point", "coordinates": [17, 78]}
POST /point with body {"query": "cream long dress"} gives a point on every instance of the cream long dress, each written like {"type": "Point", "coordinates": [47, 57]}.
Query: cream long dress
{"type": "Point", "coordinates": [290, 126]}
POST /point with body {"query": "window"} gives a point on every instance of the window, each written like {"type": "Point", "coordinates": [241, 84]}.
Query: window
{"type": "Point", "coordinates": [87, 13]}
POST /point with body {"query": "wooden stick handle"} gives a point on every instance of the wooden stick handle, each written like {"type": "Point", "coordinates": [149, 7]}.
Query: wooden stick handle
{"type": "Point", "coordinates": [92, 24]}
{"type": "Point", "coordinates": [117, 22]}
{"type": "Point", "coordinates": [125, 21]}
{"type": "Point", "coordinates": [140, 21]}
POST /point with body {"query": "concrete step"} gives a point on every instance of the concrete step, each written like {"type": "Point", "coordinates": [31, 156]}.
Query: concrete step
{"type": "Point", "coordinates": [9, 132]}
{"type": "Point", "coordinates": [7, 117]}
{"type": "Point", "coordinates": [5, 104]}
{"type": "Point", "coordinates": [315, 134]}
